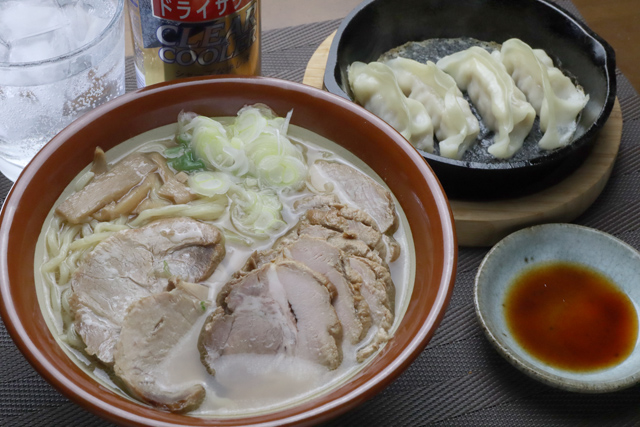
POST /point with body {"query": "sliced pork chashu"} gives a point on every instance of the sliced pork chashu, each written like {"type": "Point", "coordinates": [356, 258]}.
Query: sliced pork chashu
{"type": "Point", "coordinates": [326, 251]}
{"type": "Point", "coordinates": [325, 210]}
{"type": "Point", "coordinates": [358, 190]}
{"type": "Point", "coordinates": [352, 223]}
{"type": "Point", "coordinates": [329, 261]}
{"type": "Point", "coordinates": [151, 330]}
{"type": "Point", "coordinates": [343, 244]}
{"type": "Point", "coordinates": [133, 264]}
{"type": "Point", "coordinates": [279, 308]}
{"type": "Point", "coordinates": [316, 201]}
{"type": "Point", "coordinates": [337, 239]}
{"type": "Point", "coordinates": [351, 230]}
{"type": "Point", "coordinates": [376, 287]}
{"type": "Point", "coordinates": [347, 244]}
{"type": "Point", "coordinates": [332, 263]}
{"type": "Point", "coordinates": [253, 316]}
{"type": "Point", "coordinates": [379, 291]}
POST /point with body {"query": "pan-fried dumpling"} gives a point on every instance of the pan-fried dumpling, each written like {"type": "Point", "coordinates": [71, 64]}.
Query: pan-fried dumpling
{"type": "Point", "coordinates": [375, 88]}
{"type": "Point", "coordinates": [455, 125]}
{"type": "Point", "coordinates": [502, 106]}
{"type": "Point", "coordinates": [552, 94]}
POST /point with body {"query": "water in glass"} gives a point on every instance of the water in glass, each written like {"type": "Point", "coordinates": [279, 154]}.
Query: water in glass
{"type": "Point", "coordinates": [58, 60]}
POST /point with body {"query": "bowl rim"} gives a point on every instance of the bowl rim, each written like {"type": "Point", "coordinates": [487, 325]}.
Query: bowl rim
{"type": "Point", "coordinates": [522, 364]}
{"type": "Point", "coordinates": [331, 84]}
{"type": "Point", "coordinates": [39, 359]}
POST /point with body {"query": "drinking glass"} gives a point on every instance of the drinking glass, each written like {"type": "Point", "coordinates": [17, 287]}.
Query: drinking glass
{"type": "Point", "coordinates": [58, 60]}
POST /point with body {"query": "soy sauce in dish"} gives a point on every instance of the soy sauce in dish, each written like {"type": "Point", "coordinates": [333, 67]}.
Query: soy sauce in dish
{"type": "Point", "coordinates": [571, 317]}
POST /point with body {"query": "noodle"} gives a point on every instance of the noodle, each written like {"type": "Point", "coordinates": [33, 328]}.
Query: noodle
{"type": "Point", "coordinates": [84, 180]}
{"type": "Point", "coordinates": [209, 210]}
{"type": "Point", "coordinates": [60, 252]}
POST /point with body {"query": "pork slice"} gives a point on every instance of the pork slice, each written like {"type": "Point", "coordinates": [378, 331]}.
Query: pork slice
{"type": "Point", "coordinates": [347, 213]}
{"type": "Point", "coordinates": [387, 247]}
{"type": "Point", "coordinates": [253, 317]}
{"type": "Point", "coordinates": [282, 308]}
{"type": "Point", "coordinates": [331, 202]}
{"type": "Point", "coordinates": [316, 201]}
{"type": "Point", "coordinates": [345, 243]}
{"type": "Point", "coordinates": [350, 230]}
{"type": "Point", "coordinates": [321, 257]}
{"type": "Point", "coordinates": [133, 264]}
{"type": "Point", "coordinates": [345, 227]}
{"type": "Point", "coordinates": [351, 223]}
{"type": "Point", "coordinates": [256, 260]}
{"type": "Point", "coordinates": [350, 246]}
{"type": "Point", "coordinates": [354, 224]}
{"type": "Point", "coordinates": [392, 247]}
{"type": "Point", "coordinates": [151, 330]}
{"type": "Point", "coordinates": [106, 188]}
{"type": "Point", "coordinates": [310, 295]}
{"type": "Point", "coordinates": [379, 291]}
{"type": "Point", "coordinates": [359, 190]}
{"type": "Point", "coordinates": [98, 331]}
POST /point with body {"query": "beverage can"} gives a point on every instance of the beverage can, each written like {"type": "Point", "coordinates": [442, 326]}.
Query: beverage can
{"type": "Point", "coordinates": [186, 38]}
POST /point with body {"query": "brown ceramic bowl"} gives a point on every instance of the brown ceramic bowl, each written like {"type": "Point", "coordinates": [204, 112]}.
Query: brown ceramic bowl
{"type": "Point", "coordinates": [372, 140]}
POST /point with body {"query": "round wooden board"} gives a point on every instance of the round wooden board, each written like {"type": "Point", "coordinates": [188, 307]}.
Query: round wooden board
{"type": "Point", "coordinates": [484, 223]}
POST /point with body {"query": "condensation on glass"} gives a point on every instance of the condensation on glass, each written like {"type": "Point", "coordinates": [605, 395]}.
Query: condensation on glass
{"type": "Point", "coordinates": [58, 60]}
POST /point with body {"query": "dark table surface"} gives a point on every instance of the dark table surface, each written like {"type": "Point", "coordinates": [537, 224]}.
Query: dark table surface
{"type": "Point", "coordinates": [459, 379]}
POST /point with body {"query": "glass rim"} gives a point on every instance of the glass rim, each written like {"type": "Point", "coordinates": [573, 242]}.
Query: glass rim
{"type": "Point", "coordinates": [75, 52]}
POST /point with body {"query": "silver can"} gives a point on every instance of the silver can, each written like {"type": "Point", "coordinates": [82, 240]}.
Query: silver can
{"type": "Point", "coordinates": [186, 38]}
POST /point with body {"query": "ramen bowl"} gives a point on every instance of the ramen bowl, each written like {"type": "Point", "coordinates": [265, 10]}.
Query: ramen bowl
{"type": "Point", "coordinates": [407, 175]}
{"type": "Point", "coordinates": [377, 26]}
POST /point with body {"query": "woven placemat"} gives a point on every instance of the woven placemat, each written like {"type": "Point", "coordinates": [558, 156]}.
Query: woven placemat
{"type": "Point", "coordinates": [459, 379]}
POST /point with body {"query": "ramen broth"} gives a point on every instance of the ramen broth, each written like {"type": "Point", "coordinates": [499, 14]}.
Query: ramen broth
{"type": "Point", "coordinates": [244, 383]}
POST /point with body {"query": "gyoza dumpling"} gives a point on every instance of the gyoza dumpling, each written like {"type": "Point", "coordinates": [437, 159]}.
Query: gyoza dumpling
{"type": "Point", "coordinates": [502, 106]}
{"type": "Point", "coordinates": [375, 88]}
{"type": "Point", "coordinates": [552, 94]}
{"type": "Point", "coordinates": [455, 125]}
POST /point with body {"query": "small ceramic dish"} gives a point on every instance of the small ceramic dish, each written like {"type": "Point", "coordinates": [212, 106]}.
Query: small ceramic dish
{"type": "Point", "coordinates": [377, 26]}
{"type": "Point", "coordinates": [527, 248]}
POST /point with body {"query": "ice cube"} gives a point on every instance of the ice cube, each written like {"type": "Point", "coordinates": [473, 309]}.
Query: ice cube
{"type": "Point", "coordinates": [85, 24]}
{"type": "Point", "coordinates": [103, 9]}
{"type": "Point", "coordinates": [21, 19]}
{"type": "Point", "coordinates": [4, 51]}
{"type": "Point", "coordinates": [39, 47]}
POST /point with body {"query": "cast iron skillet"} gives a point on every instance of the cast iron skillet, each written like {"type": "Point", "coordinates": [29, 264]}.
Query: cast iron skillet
{"type": "Point", "coordinates": [376, 26]}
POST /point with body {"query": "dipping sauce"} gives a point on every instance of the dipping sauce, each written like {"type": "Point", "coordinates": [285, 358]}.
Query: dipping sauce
{"type": "Point", "coordinates": [571, 317]}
